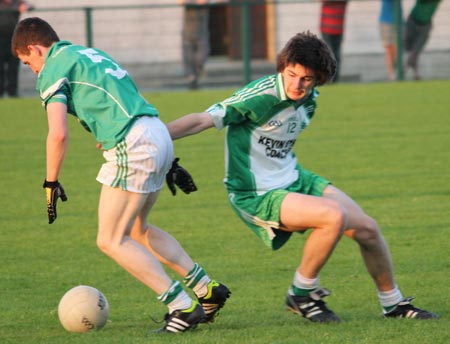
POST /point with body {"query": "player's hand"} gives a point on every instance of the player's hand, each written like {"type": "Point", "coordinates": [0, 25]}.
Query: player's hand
{"type": "Point", "coordinates": [53, 191]}
{"type": "Point", "coordinates": [178, 176]}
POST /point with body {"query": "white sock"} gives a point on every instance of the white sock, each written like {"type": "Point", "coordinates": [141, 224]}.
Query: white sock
{"type": "Point", "coordinates": [304, 283]}
{"type": "Point", "coordinates": [182, 301]}
{"type": "Point", "coordinates": [197, 280]}
{"type": "Point", "coordinates": [390, 298]}
{"type": "Point", "coordinates": [201, 288]}
{"type": "Point", "coordinates": [175, 297]}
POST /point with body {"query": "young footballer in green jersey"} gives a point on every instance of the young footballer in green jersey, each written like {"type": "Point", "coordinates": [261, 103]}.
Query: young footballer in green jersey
{"type": "Point", "coordinates": [138, 150]}
{"type": "Point", "coordinates": [274, 196]}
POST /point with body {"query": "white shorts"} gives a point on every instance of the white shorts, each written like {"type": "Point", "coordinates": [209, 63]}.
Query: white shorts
{"type": "Point", "coordinates": [140, 162]}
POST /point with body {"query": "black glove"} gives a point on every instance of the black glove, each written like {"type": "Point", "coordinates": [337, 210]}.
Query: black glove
{"type": "Point", "coordinates": [178, 176]}
{"type": "Point", "coordinates": [53, 190]}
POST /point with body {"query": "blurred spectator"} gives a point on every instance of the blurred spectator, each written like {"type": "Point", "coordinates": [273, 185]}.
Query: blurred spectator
{"type": "Point", "coordinates": [10, 11]}
{"type": "Point", "coordinates": [195, 37]}
{"type": "Point", "coordinates": [388, 32]}
{"type": "Point", "coordinates": [417, 32]}
{"type": "Point", "coordinates": [332, 21]}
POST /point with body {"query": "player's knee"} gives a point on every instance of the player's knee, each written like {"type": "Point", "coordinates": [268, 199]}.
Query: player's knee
{"type": "Point", "coordinates": [106, 245]}
{"type": "Point", "coordinates": [340, 217]}
{"type": "Point", "coordinates": [102, 244]}
{"type": "Point", "coordinates": [368, 233]}
{"type": "Point", "coordinates": [337, 218]}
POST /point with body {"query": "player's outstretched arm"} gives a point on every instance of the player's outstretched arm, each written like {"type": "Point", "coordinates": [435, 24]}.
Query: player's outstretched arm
{"type": "Point", "coordinates": [190, 124]}
{"type": "Point", "coordinates": [187, 125]}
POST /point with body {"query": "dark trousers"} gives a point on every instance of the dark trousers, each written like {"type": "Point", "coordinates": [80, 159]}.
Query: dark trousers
{"type": "Point", "coordinates": [334, 42]}
{"type": "Point", "coordinates": [416, 36]}
{"type": "Point", "coordinates": [9, 67]}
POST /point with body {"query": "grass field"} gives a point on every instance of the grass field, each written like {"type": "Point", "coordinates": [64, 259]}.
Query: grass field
{"type": "Point", "coordinates": [387, 145]}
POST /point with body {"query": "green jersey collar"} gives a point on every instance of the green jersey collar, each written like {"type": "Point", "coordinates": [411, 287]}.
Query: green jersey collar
{"type": "Point", "coordinates": [57, 48]}
{"type": "Point", "coordinates": [54, 50]}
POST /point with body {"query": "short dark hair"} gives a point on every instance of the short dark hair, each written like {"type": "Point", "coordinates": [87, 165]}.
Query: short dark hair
{"type": "Point", "coordinates": [31, 31]}
{"type": "Point", "coordinates": [307, 49]}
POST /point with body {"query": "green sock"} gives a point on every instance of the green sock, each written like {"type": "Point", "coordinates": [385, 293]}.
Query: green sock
{"type": "Point", "coordinates": [388, 309]}
{"type": "Point", "coordinates": [300, 292]}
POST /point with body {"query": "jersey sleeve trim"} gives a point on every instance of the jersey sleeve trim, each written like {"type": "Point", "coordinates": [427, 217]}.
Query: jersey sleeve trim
{"type": "Point", "coordinates": [217, 112]}
{"type": "Point", "coordinates": [53, 89]}
{"type": "Point", "coordinates": [58, 97]}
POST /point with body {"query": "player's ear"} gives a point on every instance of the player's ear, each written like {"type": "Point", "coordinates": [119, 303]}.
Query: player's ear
{"type": "Point", "coordinates": [32, 48]}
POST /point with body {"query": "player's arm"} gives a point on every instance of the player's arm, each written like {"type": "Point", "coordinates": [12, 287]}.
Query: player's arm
{"type": "Point", "coordinates": [57, 140]}
{"type": "Point", "coordinates": [184, 126]}
{"type": "Point", "coordinates": [190, 124]}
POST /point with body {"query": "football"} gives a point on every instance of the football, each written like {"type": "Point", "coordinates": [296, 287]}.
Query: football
{"type": "Point", "coordinates": [83, 308]}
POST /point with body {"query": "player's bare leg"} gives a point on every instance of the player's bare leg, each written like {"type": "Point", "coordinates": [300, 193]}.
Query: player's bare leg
{"type": "Point", "coordinates": [117, 212]}
{"type": "Point", "coordinates": [365, 231]}
{"type": "Point", "coordinates": [162, 245]}
{"type": "Point", "coordinates": [211, 294]}
{"type": "Point", "coordinates": [328, 220]}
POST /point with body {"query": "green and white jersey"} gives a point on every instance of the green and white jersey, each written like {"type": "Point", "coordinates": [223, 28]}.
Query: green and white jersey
{"type": "Point", "coordinates": [262, 127]}
{"type": "Point", "coordinates": [95, 88]}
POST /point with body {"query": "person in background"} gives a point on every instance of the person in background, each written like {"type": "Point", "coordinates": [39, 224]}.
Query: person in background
{"type": "Point", "coordinates": [10, 11]}
{"type": "Point", "coordinates": [388, 33]}
{"type": "Point", "coordinates": [417, 31]}
{"type": "Point", "coordinates": [332, 25]}
{"type": "Point", "coordinates": [275, 196]}
{"type": "Point", "coordinates": [138, 150]}
{"type": "Point", "coordinates": [195, 38]}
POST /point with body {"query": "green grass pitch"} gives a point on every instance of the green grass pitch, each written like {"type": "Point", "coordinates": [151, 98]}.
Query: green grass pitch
{"type": "Point", "coordinates": [387, 145]}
